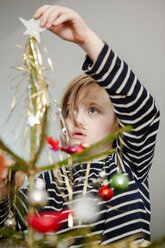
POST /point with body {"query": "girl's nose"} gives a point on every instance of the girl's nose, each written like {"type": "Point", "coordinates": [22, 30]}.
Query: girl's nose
{"type": "Point", "coordinates": [80, 117]}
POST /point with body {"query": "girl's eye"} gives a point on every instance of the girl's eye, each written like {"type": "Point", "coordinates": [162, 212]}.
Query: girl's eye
{"type": "Point", "coordinates": [93, 111]}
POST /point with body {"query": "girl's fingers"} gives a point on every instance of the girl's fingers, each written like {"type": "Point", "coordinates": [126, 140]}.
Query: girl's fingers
{"type": "Point", "coordinates": [50, 17]}
{"type": "Point", "coordinates": [63, 18]}
{"type": "Point", "coordinates": [47, 15]}
{"type": "Point", "coordinates": [40, 11]}
{"type": "Point", "coordinates": [50, 14]}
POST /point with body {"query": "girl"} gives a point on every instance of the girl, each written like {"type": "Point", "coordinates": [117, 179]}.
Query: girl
{"type": "Point", "coordinates": [108, 95]}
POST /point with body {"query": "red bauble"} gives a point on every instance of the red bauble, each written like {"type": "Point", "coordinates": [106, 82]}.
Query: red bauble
{"type": "Point", "coordinates": [68, 149]}
{"type": "Point", "coordinates": [73, 149]}
{"type": "Point", "coordinates": [47, 221]}
{"type": "Point", "coordinates": [105, 193]}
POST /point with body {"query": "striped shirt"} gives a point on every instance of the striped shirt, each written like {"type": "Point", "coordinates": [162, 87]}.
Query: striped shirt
{"type": "Point", "coordinates": [126, 213]}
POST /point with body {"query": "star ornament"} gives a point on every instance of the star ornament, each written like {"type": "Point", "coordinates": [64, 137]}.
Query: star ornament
{"type": "Point", "coordinates": [33, 28]}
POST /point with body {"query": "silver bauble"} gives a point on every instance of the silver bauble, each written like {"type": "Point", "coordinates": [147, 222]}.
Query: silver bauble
{"type": "Point", "coordinates": [85, 208]}
{"type": "Point", "coordinates": [10, 223]}
{"type": "Point", "coordinates": [102, 174]}
{"type": "Point", "coordinates": [37, 197]}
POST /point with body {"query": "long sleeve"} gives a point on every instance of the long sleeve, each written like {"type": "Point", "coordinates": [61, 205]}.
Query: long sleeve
{"type": "Point", "coordinates": [133, 105]}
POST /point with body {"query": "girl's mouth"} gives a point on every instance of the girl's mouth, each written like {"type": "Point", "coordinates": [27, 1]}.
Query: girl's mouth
{"type": "Point", "coordinates": [78, 134]}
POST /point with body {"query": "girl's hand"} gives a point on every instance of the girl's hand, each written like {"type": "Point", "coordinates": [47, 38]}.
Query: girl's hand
{"type": "Point", "coordinates": [5, 187]}
{"type": "Point", "coordinates": [64, 22]}
{"type": "Point", "coordinates": [69, 25]}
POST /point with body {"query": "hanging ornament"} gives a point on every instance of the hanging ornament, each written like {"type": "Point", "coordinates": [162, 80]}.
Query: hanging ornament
{"type": "Point", "coordinates": [119, 182]}
{"type": "Point", "coordinates": [47, 221]}
{"type": "Point", "coordinates": [33, 119]}
{"type": "Point", "coordinates": [10, 223]}
{"type": "Point", "coordinates": [53, 143]}
{"type": "Point", "coordinates": [102, 174]}
{"type": "Point", "coordinates": [38, 196]}
{"type": "Point", "coordinates": [73, 149]}
{"type": "Point", "coordinates": [32, 28]}
{"type": "Point", "coordinates": [68, 149]}
{"type": "Point", "coordinates": [85, 208]}
{"type": "Point", "coordinates": [105, 193]}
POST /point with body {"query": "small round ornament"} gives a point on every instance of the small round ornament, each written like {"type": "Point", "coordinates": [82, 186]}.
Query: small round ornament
{"type": "Point", "coordinates": [85, 208]}
{"type": "Point", "coordinates": [102, 174]}
{"type": "Point", "coordinates": [38, 196]}
{"type": "Point", "coordinates": [73, 149]}
{"type": "Point", "coordinates": [105, 193]}
{"type": "Point", "coordinates": [47, 221]}
{"type": "Point", "coordinates": [10, 223]}
{"type": "Point", "coordinates": [119, 182]}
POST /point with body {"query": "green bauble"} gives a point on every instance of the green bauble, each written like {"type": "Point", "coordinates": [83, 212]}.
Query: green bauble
{"type": "Point", "coordinates": [119, 182]}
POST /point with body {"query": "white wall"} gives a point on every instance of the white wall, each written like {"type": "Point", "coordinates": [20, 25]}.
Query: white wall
{"type": "Point", "coordinates": [135, 30]}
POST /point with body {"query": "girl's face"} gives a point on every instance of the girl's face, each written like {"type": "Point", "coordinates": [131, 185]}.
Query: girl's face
{"type": "Point", "coordinates": [94, 112]}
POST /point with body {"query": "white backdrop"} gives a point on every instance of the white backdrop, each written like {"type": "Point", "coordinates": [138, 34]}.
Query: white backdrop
{"type": "Point", "coordinates": [135, 30]}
